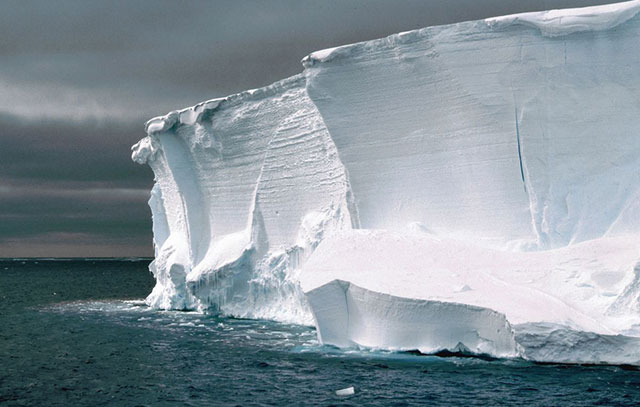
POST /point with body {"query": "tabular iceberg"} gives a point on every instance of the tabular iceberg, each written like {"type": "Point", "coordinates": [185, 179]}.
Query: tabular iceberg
{"type": "Point", "coordinates": [473, 187]}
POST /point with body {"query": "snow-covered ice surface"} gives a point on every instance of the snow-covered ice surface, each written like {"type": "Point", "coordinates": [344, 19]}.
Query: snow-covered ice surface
{"type": "Point", "coordinates": [441, 293]}
{"type": "Point", "coordinates": [471, 187]}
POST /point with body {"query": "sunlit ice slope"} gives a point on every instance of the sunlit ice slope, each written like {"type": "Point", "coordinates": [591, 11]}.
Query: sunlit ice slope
{"type": "Point", "coordinates": [509, 143]}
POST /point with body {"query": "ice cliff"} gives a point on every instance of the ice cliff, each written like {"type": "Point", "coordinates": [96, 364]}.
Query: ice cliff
{"type": "Point", "coordinates": [473, 187]}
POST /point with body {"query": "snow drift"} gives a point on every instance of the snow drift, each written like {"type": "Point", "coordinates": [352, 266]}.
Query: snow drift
{"type": "Point", "coordinates": [472, 187]}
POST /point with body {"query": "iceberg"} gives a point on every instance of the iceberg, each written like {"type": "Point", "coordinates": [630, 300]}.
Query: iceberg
{"type": "Point", "coordinates": [470, 188]}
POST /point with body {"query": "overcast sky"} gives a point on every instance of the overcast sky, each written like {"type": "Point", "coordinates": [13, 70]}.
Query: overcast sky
{"type": "Point", "coordinates": [79, 78]}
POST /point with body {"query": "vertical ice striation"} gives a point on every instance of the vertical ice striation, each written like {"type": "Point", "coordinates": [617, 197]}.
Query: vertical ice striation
{"type": "Point", "coordinates": [247, 186]}
{"type": "Point", "coordinates": [492, 167]}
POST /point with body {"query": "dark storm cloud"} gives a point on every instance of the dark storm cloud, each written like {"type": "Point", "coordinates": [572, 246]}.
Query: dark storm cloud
{"type": "Point", "coordinates": [79, 78]}
{"type": "Point", "coordinates": [112, 212]}
{"type": "Point", "coordinates": [220, 46]}
{"type": "Point", "coordinates": [32, 151]}
{"type": "Point", "coordinates": [66, 183]}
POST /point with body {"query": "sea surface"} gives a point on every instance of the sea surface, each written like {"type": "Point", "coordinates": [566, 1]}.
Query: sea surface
{"type": "Point", "coordinates": [77, 333]}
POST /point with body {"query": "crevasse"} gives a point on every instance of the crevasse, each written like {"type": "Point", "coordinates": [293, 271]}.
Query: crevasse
{"type": "Point", "coordinates": [471, 187]}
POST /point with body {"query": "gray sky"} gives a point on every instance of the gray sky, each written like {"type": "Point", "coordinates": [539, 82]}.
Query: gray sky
{"type": "Point", "coordinates": [79, 78]}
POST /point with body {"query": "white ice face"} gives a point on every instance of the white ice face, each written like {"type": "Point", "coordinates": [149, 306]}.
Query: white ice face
{"type": "Point", "coordinates": [491, 169]}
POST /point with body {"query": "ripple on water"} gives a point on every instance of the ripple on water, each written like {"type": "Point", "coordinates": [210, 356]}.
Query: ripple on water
{"type": "Point", "coordinates": [170, 357]}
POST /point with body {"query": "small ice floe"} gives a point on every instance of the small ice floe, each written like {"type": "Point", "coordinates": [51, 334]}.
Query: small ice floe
{"type": "Point", "coordinates": [349, 391]}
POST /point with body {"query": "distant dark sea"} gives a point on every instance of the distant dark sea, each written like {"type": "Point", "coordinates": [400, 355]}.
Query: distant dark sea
{"type": "Point", "coordinates": [76, 332]}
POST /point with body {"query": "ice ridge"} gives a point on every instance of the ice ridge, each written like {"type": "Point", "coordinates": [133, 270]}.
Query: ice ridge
{"type": "Point", "coordinates": [555, 23]}
{"type": "Point", "coordinates": [441, 182]}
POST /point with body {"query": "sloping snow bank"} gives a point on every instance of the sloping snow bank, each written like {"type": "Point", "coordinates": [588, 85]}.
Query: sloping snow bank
{"type": "Point", "coordinates": [417, 291]}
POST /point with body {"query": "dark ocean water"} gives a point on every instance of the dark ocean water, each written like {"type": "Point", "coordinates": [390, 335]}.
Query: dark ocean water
{"type": "Point", "coordinates": [77, 333]}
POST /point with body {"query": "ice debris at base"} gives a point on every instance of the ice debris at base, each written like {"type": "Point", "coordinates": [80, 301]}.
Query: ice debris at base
{"type": "Point", "coordinates": [473, 187]}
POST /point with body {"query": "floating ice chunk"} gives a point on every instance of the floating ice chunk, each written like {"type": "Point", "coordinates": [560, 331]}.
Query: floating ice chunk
{"type": "Point", "coordinates": [349, 391]}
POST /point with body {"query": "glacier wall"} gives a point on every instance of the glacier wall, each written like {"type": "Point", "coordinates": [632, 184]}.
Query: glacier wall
{"type": "Point", "coordinates": [509, 138]}
{"type": "Point", "coordinates": [489, 130]}
{"type": "Point", "coordinates": [246, 187]}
